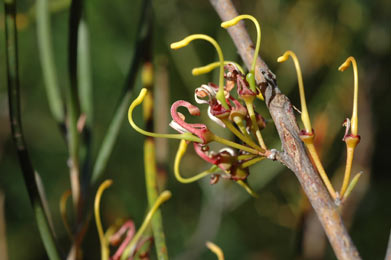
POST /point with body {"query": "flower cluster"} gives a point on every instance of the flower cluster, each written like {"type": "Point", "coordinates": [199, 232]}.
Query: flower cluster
{"type": "Point", "coordinates": [231, 105]}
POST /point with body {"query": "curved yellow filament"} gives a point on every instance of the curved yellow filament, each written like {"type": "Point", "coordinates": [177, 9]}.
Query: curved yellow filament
{"type": "Point", "coordinates": [234, 21]}
{"type": "Point", "coordinates": [163, 197]}
{"type": "Point", "coordinates": [215, 249]}
{"type": "Point", "coordinates": [138, 101]}
{"type": "Point", "coordinates": [211, 66]}
{"type": "Point", "coordinates": [179, 155]}
{"type": "Point", "coordinates": [304, 112]}
{"type": "Point", "coordinates": [105, 251]}
{"type": "Point", "coordinates": [177, 45]}
{"type": "Point", "coordinates": [354, 119]}
{"type": "Point", "coordinates": [63, 211]}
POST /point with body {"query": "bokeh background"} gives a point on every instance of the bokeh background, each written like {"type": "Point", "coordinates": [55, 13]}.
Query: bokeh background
{"type": "Point", "coordinates": [278, 225]}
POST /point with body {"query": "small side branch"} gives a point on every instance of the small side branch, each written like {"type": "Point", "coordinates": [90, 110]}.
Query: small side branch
{"type": "Point", "coordinates": [294, 155]}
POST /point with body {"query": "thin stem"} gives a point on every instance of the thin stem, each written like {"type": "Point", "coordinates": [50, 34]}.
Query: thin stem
{"type": "Point", "coordinates": [47, 61]}
{"type": "Point", "coordinates": [247, 188]}
{"type": "Point", "coordinates": [178, 158]}
{"type": "Point", "coordinates": [348, 169]}
{"type": "Point", "coordinates": [152, 192]}
{"type": "Point", "coordinates": [351, 186]}
{"type": "Point", "coordinates": [72, 104]}
{"type": "Point", "coordinates": [252, 162]}
{"type": "Point", "coordinates": [236, 145]}
{"type": "Point", "coordinates": [104, 245]}
{"type": "Point", "coordinates": [254, 124]}
{"type": "Point", "coordinates": [244, 138]}
{"type": "Point", "coordinates": [45, 231]}
{"type": "Point", "coordinates": [84, 72]}
{"type": "Point", "coordinates": [318, 164]}
{"type": "Point", "coordinates": [351, 143]}
{"type": "Point", "coordinates": [246, 156]}
{"type": "Point", "coordinates": [240, 123]}
{"type": "Point", "coordinates": [177, 45]}
{"type": "Point", "coordinates": [150, 163]}
{"type": "Point", "coordinates": [164, 196]}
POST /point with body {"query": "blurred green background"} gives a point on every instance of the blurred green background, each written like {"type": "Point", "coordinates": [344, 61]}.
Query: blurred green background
{"type": "Point", "coordinates": [278, 225]}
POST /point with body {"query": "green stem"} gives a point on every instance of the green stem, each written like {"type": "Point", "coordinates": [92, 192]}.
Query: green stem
{"type": "Point", "coordinates": [240, 123]}
{"type": "Point", "coordinates": [72, 104]}
{"type": "Point", "coordinates": [246, 139]}
{"type": "Point", "coordinates": [255, 128]}
{"type": "Point", "coordinates": [46, 233]}
{"type": "Point", "coordinates": [47, 61]}
{"type": "Point", "coordinates": [85, 92]}
{"type": "Point", "coordinates": [163, 197]}
{"type": "Point", "coordinates": [84, 72]}
{"type": "Point", "coordinates": [236, 145]}
{"type": "Point", "coordinates": [152, 193]}
{"type": "Point", "coordinates": [150, 167]}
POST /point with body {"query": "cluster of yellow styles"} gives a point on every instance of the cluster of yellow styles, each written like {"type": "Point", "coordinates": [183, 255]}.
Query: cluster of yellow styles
{"type": "Point", "coordinates": [243, 121]}
{"type": "Point", "coordinates": [238, 115]}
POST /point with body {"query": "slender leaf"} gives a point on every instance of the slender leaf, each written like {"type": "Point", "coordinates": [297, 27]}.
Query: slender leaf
{"type": "Point", "coordinates": [47, 235]}
{"type": "Point", "coordinates": [72, 102]}
{"type": "Point", "coordinates": [110, 138]}
{"type": "Point", "coordinates": [47, 61]}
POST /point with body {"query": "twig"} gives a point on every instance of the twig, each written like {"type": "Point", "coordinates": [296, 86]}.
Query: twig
{"type": "Point", "coordinates": [45, 231]}
{"type": "Point", "coordinates": [294, 155]}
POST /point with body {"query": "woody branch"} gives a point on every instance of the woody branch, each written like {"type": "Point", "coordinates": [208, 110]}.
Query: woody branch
{"type": "Point", "coordinates": [294, 155]}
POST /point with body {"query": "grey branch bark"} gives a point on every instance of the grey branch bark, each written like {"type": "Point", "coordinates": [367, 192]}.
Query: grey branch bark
{"type": "Point", "coordinates": [294, 154]}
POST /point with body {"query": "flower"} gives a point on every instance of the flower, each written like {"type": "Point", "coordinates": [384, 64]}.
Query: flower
{"type": "Point", "coordinates": [230, 110]}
